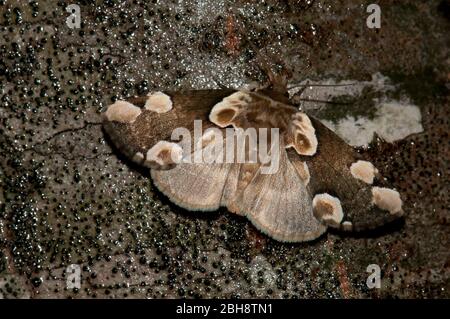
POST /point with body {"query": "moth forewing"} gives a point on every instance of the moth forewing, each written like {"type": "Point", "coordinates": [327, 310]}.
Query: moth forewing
{"type": "Point", "coordinates": [147, 127]}
{"type": "Point", "coordinates": [331, 173]}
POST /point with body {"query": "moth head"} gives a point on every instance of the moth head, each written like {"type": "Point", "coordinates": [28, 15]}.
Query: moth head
{"type": "Point", "coordinates": [277, 75]}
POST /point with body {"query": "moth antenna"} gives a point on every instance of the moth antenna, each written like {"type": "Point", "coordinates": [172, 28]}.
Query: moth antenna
{"type": "Point", "coordinates": [290, 87]}
{"type": "Point", "coordinates": [323, 101]}
{"type": "Point", "coordinates": [296, 101]}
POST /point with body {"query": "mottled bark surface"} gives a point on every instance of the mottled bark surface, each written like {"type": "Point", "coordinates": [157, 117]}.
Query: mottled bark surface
{"type": "Point", "coordinates": [67, 197]}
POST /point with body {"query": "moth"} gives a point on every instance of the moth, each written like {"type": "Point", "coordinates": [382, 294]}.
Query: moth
{"type": "Point", "coordinates": [319, 181]}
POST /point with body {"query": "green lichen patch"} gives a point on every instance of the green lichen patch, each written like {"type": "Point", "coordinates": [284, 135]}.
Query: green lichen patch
{"type": "Point", "coordinates": [349, 105]}
{"type": "Point", "coordinates": [423, 86]}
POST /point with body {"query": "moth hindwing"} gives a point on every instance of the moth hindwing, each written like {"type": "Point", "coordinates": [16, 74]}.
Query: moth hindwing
{"type": "Point", "coordinates": [255, 154]}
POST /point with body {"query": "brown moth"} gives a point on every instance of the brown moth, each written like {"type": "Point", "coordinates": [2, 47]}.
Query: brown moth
{"type": "Point", "coordinates": [320, 180]}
